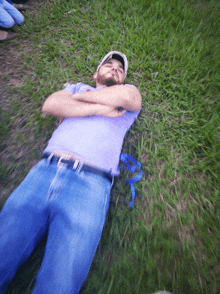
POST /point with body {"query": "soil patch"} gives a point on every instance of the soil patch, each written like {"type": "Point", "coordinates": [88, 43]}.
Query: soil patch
{"type": "Point", "coordinates": [20, 149]}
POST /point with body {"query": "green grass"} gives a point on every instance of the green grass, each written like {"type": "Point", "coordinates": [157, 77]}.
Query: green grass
{"type": "Point", "coordinates": [170, 240]}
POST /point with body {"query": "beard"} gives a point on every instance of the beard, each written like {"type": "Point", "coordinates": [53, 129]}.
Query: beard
{"type": "Point", "coordinates": [101, 79]}
{"type": "Point", "coordinates": [110, 82]}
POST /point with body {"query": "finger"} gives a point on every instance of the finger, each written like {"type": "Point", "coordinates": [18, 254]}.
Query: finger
{"type": "Point", "coordinates": [122, 112]}
{"type": "Point", "coordinates": [118, 113]}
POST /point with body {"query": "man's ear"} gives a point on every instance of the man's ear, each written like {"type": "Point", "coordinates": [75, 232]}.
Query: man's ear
{"type": "Point", "coordinates": [95, 75]}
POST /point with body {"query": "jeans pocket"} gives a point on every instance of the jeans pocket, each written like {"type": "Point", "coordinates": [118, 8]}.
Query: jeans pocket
{"type": "Point", "coordinates": [95, 181]}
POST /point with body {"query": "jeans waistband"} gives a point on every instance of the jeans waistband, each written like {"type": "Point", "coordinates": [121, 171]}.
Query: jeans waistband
{"type": "Point", "coordinates": [74, 164]}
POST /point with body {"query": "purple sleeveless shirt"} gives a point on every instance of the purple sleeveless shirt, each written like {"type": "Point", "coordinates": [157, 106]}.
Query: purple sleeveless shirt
{"type": "Point", "coordinates": [95, 138]}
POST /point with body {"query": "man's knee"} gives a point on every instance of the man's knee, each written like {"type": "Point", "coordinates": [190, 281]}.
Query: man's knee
{"type": "Point", "coordinates": [20, 20]}
{"type": "Point", "coordinates": [10, 23]}
{"type": "Point", "coordinates": [6, 21]}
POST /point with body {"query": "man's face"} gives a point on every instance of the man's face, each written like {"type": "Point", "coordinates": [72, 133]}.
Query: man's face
{"type": "Point", "coordinates": [110, 73]}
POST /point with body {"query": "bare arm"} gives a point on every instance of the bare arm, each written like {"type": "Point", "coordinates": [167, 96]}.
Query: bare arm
{"type": "Point", "coordinates": [62, 104]}
{"type": "Point", "coordinates": [124, 96]}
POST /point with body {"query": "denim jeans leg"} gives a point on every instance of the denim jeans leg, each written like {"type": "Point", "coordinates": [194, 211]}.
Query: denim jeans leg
{"type": "Point", "coordinates": [23, 221]}
{"type": "Point", "coordinates": [6, 21]}
{"type": "Point", "coordinates": [77, 216]}
{"type": "Point", "coordinates": [14, 13]}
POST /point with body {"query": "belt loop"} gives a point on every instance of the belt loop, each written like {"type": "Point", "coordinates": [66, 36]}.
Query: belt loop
{"type": "Point", "coordinates": [77, 166]}
{"type": "Point", "coordinates": [49, 158]}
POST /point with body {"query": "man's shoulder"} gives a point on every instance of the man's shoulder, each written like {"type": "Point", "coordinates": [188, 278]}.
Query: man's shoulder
{"type": "Point", "coordinates": [75, 88]}
{"type": "Point", "coordinates": [130, 85]}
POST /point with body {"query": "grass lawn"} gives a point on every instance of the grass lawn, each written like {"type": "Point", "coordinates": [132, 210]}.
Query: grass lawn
{"type": "Point", "coordinates": [170, 239]}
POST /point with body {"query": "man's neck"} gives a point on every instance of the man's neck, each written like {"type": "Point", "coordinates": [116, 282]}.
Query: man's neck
{"type": "Point", "coordinates": [98, 85]}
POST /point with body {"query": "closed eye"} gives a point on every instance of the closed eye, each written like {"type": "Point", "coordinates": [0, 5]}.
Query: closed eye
{"type": "Point", "coordinates": [110, 64]}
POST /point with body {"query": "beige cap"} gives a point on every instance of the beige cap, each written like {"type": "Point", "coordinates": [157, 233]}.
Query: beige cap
{"type": "Point", "coordinates": [116, 55]}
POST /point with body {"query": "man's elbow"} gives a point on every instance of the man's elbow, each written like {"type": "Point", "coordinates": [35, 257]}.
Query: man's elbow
{"type": "Point", "coordinates": [50, 106]}
{"type": "Point", "coordinates": [45, 108]}
{"type": "Point", "coordinates": [137, 102]}
{"type": "Point", "coordinates": [134, 99]}
{"type": "Point", "coordinates": [53, 103]}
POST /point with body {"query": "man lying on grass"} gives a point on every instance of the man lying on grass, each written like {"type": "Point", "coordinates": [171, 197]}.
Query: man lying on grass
{"type": "Point", "coordinates": [66, 194]}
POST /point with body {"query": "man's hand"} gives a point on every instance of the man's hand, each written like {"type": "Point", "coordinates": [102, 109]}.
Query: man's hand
{"type": "Point", "coordinates": [110, 111]}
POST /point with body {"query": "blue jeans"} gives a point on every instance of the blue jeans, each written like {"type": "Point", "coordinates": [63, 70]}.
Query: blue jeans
{"type": "Point", "coordinates": [9, 15]}
{"type": "Point", "coordinates": [72, 206]}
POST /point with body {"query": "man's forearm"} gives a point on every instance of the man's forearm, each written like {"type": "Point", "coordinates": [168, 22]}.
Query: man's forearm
{"type": "Point", "coordinates": [62, 104]}
{"type": "Point", "coordinates": [124, 96]}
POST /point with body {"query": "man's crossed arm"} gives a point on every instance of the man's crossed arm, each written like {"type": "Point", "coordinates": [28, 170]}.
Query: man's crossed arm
{"type": "Point", "coordinates": [104, 102]}
{"type": "Point", "coordinates": [127, 97]}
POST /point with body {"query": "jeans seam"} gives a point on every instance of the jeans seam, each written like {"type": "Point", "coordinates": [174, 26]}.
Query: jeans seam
{"type": "Point", "coordinates": [107, 195]}
{"type": "Point", "coordinates": [45, 262]}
